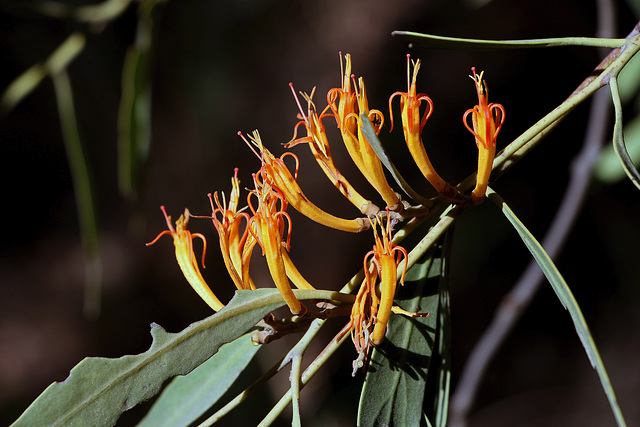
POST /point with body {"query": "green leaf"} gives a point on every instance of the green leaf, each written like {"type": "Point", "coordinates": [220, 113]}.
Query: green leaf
{"type": "Point", "coordinates": [441, 42]}
{"type": "Point", "coordinates": [97, 14]}
{"type": "Point", "coordinates": [618, 136]}
{"type": "Point", "coordinates": [83, 191]}
{"type": "Point", "coordinates": [629, 79]}
{"type": "Point", "coordinates": [441, 401]}
{"type": "Point", "coordinates": [608, 168]}
{"type": "Point", "coordinates": [98, 390]}
{"type": "Point", "coordinates": [566, 298]}
{"type": "Point", "coordinates": [635, 6]}
{"type": "Point", "coordinates": [134, 116]}
{"type": "Point", "coordinates": [394, 386]}
{"type": "Point", "coordinates": [188, 397]}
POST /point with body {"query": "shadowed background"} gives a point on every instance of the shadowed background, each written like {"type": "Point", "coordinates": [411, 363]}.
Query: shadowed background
{"type": "Point", "coordinates": [223, 67]}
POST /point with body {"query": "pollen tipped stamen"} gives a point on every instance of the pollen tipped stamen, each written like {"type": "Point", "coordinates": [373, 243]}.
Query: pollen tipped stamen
{"type": "Point", "coordinates": [295, 96]}
{"type": "Point", "coordinates": [240, 134]}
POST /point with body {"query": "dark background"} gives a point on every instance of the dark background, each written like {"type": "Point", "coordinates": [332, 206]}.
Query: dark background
{"type": "Point", "coordinates": [221, 67]}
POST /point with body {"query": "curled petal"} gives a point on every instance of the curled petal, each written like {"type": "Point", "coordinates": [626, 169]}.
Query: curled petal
{"type": "Point", "coordinates": [183, 242]}
{"type": "Point", "coordinates": [413, 124]}
{"type": "Point", "coordinates": [487, 120]}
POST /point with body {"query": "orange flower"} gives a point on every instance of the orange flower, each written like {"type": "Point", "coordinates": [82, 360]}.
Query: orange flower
{"type": "Point", "coordinates": [280, 178]}
{"type": "Point", "coordinates": [183, 242]}
{"type": "Point", "coordinates": [319, 145]}
{"type": "Point", "coordinates": [369, 308]}
{"type": "Point", "coordinates": [236, 247]}
{"type": "Point", "coordinates": [412, 125]}
{"type": "Point", "coordinates": [268, 226]}
{"type": "Point", "coordinates": [346, 99]}
{"type": "Point", "coordinates": [487, 120]}
{"type": "Point", "coordinates": [343, 102]}
{"type": "Point", "coordinates": [386, 258]}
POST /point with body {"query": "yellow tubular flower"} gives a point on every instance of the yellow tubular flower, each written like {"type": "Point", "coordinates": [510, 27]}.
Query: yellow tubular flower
{"type": "Point", "coordinates": [362, 314]}
{"type": "Point", "coordinates": [279, 177]}
{"type": "Point", "coordinates": [371, 164]}
{"type": "Point", "coordinates": [183, 242]}
{"type": "Point", "coordinates": [346, 105]}
{"type": "Point", "coordinates": [294, 274]}
{"type": "Point", "coordinates": [236, 246]}
{"type": "Point", "coordinates": [319, 145]}
{"type": "Point", "coordinates": [346, 100]}
{"type": "Point", "coordinates": [412, 125]}
{"type": "Point", "coordinates": [386, 258]}
{"type": "Point", "coordinates": [487, 120]}
{"type": "Point", "coordinates": [370, 312]}
{"type": "Point", "coordinates": [268, 224]}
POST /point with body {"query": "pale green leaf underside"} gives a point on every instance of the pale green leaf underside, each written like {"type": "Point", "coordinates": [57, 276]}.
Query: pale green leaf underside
{"type": "Point", "coordinates": [98, 390]}
{"type": "Point", "coordinates": [442, 42]}
{"type": "Point", "coordinates": [566, 298]}
{"type": "Point", "coordinates": [188, 397]}
{"type": "Point", "coordinates": [395, 383]}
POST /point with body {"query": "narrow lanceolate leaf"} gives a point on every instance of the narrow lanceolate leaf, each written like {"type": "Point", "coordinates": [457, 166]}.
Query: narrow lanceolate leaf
{"type": "Point", "coordinates": [98, 390]}
{"type": "Point", "coordinates": [441, 401]}
{"type": "Point", "coordinates": [188, 397]}
{"type": "Point", "coordinates": [566, 298]}
{"type": "Point", "coordinates": [441, 42]}
{"type": "Point", "coordinates": [83, 191]}
{"type": "Point", "coordinates": [134, 117]}
{"type": "Point", "coordinates": [394, 386]}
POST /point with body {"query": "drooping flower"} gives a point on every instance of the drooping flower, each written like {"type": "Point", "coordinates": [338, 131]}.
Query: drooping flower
{"type": "Point", "coordinates": [373, 305]}
{"type": "Point", "coordinates": [236, 246]}
{"type": "Point", "coordinates": [319, 144]}
{"type": "Point", "coordinates": [487, 120]}
{"type": "Point", "coordinates": [277, 174]}
{"type": "Point", "coordinates": [183, 242]}
{"type": "Point", "coordinates": [268, 224]}
{"type": "Point", "coordinates": [386, 257]}
{"type": "Point", "coordinates": [412, 126]}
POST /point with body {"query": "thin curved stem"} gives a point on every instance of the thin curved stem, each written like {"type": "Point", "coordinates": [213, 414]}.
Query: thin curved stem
{"type": "Point", "coordinates": [309, 373]}
{"type": "Point", "coordinates": [618, 136]}
{"type": "Point", "coordinates": [294, 355]}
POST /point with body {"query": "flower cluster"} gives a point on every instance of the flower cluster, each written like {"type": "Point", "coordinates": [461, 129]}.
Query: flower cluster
{"type": "Point", "coordinates": [265, 221]}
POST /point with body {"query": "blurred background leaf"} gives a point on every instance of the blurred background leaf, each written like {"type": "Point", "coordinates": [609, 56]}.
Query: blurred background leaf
{"type": "Point", "coordinates": [134, 117]}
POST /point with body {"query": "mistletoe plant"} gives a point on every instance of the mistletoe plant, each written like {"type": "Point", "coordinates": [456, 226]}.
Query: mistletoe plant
{"type": "Point", "coordinates": [395, 310]}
